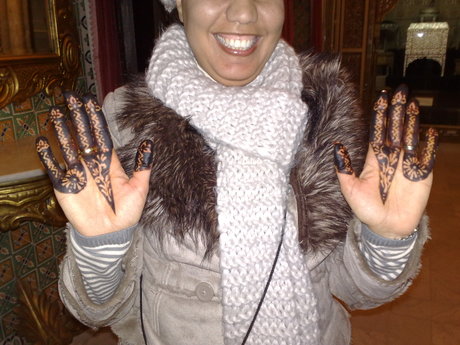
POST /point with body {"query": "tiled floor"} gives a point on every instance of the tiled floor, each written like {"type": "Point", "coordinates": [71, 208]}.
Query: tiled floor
{"type": "Point", "coordinates": [429, 313]}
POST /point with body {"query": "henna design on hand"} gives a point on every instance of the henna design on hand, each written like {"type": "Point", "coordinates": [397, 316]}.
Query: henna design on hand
{"type": "Point", "coordinates": [413, 168]}
{"type": "Point", "coordinates": [391, 128]}
{"type": "Point", "coordinates": [144, 156]}
{"type": "Point", "coordinates": [99, 162]}
{"type": "Point", "coordinates": [342, 159]}
{"type": "Point", "coordinates": [71, 181]}
{"type": "Point", "coordinates": [387, 156]}
{"type": "Point", "coordinates": [95, 145]}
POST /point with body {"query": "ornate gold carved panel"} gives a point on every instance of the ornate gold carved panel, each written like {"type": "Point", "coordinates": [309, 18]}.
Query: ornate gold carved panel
{"type": "Point", "coordinates": [24, 76]}
{"type": "Point", "coordinates": [31, 199]}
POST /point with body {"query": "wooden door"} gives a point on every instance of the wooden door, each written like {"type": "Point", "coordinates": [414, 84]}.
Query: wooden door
{"type": "Point", "coordinates": [351, 28]}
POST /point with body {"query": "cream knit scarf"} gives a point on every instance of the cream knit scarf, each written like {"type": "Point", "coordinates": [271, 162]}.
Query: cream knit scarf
{"type": "Point", "coordinates": [255, 131]}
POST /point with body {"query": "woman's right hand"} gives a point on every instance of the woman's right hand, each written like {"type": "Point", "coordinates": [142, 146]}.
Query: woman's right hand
{"type": "Point", "coordinates": [93, 190]}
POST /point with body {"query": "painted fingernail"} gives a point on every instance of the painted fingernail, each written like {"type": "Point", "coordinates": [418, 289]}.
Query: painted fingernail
{"type": "Point", "coordinates": [144, 156]}
{"type": "Point", "coordinates": [342, 159]}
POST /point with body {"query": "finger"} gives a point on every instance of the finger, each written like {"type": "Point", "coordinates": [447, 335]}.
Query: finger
{"type": "Point", "coordinates": [71, 181]}
{"type": "Point", "coordinates": [429, 151]}
{"type": "Point", "coordinates": [396, 116]}
{"type": "Point", "coordinates": [378, 122]}
{"type": "Point", "coordinates": [144, 156]}
{"type": "Point", "coordinates": [99, 127]}
{"type": "Point", "coordinates": [69, 152]}
{"type": "Point", "coordinates": [81, 122]}
{"type": "Point", "coordinates": [99, 165]}
{"type": "Point", "coordinates": [418, 170]}
{"type": "Point", "coordinates": [48, 160]}
{"type": "Point", "coordinates": [342, 160]}
{"type": "Point", "coordinates": [411, 126]}
{"type": "Point", "coordinates": [142, 166]}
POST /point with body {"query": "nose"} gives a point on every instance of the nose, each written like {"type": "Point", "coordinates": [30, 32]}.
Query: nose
{"type": "Point", "coordinates": [242, 11]}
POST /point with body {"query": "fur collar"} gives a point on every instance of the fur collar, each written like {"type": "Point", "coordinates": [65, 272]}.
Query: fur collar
{"type": "Point", "coordinates": [183, 178]}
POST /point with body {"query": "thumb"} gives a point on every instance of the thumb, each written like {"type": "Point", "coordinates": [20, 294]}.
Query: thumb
{"type": "Point", "coordinates": [344, 169]}
{"type": "Point", "coordinates": [143, 165]}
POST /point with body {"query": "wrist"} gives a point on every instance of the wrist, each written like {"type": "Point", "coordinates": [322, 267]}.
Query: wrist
{"type": "Point", "coordinates": [396, 236]}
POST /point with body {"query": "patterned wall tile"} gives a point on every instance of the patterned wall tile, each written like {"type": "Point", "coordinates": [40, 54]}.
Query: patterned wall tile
{"type": "Point", "coordinates": [59, 242]}
{"type": "Point", "coordinates": [6, 272]}
{"type": "Point", "coordinates": [52, 292]}
{"type": "Point", "coordinates": [31, 280]}
{"type": "Point", "coordinates": [10, 323]}
{"type": "Point", "coordinates": [6, 111]}
{"type": "Point", "coordinates": [24, 261]}
{"type": "Point", "coordinates": [21, 236]}
{"type": "Point", "coordinates": [23, 107]}
{"type": "Point", "coordinates": [25, 125]}
{"type": "Point", "coordinates": [47, 273]}
{"type": "Point", "coordinates": [40, 231]}
{"type": "Point", "coordinates": [44, 123]}
{"type": "Point", "coordinates": [8, 299]}
{"type": "Point", "coordinates": [41, 102]}
{"type": "Point", "coordinates": [6, 131]}
{"type": "Point", "coordinates": [44, 250]}
{"type": "Point", "coordinates": [5, 245]}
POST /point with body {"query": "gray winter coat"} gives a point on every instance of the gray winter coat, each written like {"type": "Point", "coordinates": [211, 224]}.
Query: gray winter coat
{"type": "Point", "coordinates": [171, 285]}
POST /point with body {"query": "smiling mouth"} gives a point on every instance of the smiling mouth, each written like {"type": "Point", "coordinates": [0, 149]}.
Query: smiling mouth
{"type": "Point", "coordinates": [237, 43]}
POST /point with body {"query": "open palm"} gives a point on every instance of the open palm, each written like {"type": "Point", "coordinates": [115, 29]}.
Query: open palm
{"type": "Point", "coordinates": [392, 191]}
{"type": "Point", "coordinates": [93, 190]}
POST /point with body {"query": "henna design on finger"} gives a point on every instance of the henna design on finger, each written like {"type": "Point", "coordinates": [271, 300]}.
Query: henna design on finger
{"type": "Point", "coordinates": [410, 138]}
{"type": "Point", "coordinates": [342, 159]}
{"type": "Point", "coordinates": [99, 161]}
{"type": "Point", "coordinates": [64, 137]}
{"type": "Point", "coordinates": [378, 124]}
{"type": "Point", "coordinates": [72, 181]}
{"type": "Point", "coordinates": [80, 121]}
{"type": "Point", "coordinates": [415, 169]}
{"type": "Point", "coordinates": [144, 156]}
{"type": "Point", "coordinates": [382, 138]}
{"type": "Point", "coordinates": [396, 117]}
{"type": "Point", "coordinates": [387, 159]}
{"type": "Point", "coordinates": [99, 126]}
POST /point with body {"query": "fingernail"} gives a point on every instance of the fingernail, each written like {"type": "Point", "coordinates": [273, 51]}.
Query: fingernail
{"type": "Point", "coordinates": [144, 156]}
{"type": "Point", "coordinates": [342, 159]}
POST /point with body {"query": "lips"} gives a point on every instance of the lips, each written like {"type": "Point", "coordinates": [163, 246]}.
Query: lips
{"type": "Point", "coordinates": [237, 44]}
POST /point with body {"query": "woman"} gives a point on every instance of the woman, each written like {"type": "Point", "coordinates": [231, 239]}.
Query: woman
{"type": "Point", "coordinates": [233, 227]}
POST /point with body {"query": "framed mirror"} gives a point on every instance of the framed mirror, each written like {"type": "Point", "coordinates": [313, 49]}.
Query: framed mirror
{"type": "Point", "coordinates": [39, 48]}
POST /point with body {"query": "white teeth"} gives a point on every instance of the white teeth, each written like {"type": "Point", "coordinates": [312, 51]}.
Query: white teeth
{"type": "Point", "coordinates": [237, 44]}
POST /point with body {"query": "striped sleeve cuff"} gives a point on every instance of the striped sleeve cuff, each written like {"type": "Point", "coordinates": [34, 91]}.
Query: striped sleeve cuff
{"type": "Point", "coordinates": [99, 259]}
{"type": "Point", "coordinates": [386, 257]}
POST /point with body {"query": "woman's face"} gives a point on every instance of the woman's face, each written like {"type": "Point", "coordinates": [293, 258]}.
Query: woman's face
{"type": "Point", "coordinates": [232, 39]}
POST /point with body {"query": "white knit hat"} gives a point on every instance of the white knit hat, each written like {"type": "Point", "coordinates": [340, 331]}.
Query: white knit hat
{"type": "Point", "coordinates": [169, 4]}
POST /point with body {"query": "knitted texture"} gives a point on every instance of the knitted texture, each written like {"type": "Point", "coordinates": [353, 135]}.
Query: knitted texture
{"type": "Point", "coordinates": [255, 131]}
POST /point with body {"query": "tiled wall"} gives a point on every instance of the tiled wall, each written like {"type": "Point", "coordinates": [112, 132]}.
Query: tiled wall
{"type": "Point", "coordinates": [33, 251]}
{"type": "Point", "coordinates": [30, 118]}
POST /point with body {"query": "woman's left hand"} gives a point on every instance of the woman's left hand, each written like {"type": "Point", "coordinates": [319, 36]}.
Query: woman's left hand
{"type": "Point", "coordinates": [392, 191]}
